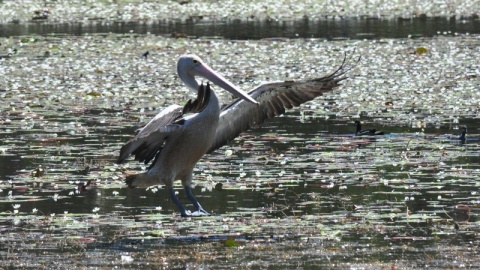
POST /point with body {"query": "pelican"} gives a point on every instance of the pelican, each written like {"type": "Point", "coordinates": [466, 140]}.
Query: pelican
{"type": "Point", "coordinates": [178, 136]}
{"type": "Point", "coordinates": [366, 132]}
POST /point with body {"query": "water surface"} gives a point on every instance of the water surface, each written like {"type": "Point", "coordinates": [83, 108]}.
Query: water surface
{"type": "Point", "coordinates": [300, 191]}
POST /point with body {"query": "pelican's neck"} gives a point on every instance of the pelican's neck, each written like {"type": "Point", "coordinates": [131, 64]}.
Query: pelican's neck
{"type": "Point", "coordinates": [190, 82]}
{"type": "Point", "coordinates": [214, 103]}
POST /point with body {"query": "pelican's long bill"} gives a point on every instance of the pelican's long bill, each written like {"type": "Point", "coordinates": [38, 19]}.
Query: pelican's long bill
{"type": "Point", "coordinates": [199, 68]}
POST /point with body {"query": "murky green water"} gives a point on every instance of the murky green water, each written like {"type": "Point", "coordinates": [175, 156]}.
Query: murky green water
{"type": "Point", "coordinates": [299, 192]}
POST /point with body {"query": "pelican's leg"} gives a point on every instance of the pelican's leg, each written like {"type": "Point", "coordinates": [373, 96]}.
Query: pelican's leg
{"type": "Point", "coordinates": [177, 202]}
{"type": "Point", "coordinates": [196, 204]}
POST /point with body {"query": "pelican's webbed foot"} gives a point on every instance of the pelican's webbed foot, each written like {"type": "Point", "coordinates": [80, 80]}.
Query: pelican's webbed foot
{"type": "Point", "coordinates": [199, 211]}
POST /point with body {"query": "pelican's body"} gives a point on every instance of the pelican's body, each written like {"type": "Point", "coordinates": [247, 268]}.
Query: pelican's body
{"type": "Point", "coordinates": [178, 157]}
{"type": "Point", "coordinates": [176, 141]}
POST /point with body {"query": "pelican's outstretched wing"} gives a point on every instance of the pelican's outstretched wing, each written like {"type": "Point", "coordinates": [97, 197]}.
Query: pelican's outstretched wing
{"type": "Point", "coordinates": [274, 98]}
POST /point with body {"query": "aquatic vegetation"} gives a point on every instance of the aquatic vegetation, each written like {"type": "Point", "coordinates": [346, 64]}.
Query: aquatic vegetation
{"type": "Point", "coordinates": [300, 190]}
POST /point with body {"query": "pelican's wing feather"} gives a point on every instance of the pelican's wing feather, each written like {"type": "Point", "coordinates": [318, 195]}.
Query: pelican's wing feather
{"type": "Point", "coordinates": [273, 99]}
{"type": "Point", "coordinates": [150, 139]}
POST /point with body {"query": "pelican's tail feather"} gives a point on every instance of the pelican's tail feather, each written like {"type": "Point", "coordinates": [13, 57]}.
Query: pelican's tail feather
{"type": "Point", "coordinates": [142, 180]}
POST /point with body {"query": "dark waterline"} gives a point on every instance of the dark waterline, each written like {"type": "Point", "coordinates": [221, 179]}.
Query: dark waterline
{"type": "Point", "coordinates": [355, 28]}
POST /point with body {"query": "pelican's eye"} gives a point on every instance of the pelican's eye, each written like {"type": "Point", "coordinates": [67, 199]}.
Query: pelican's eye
{"type": "Point", "coordinates": [195, 61]}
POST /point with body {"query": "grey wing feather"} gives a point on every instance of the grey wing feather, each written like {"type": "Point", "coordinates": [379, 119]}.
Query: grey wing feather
{"type": "Point", "coordinates": [274, 98]}
{"type": "Point", "coordinates": [151, 138]}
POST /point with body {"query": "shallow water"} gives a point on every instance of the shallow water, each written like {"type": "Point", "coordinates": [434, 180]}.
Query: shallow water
{"type": "Point", "coordinates": [300, 191]}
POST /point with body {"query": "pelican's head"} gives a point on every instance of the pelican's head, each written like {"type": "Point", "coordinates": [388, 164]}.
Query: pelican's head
{"type": "Point", "coordinates": [190, 65]}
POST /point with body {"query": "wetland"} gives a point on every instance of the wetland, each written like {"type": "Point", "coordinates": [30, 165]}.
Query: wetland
{"type": "Point", "coordinates": [301, 191]}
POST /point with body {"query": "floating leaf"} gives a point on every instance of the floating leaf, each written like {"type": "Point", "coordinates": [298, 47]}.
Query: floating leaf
{"type": "Point", "coordinates": [28, 40]}
{"type": "Point", "coordinates": [231, 242]}
{"type": "Point", "coordinates": [94, 94]}
{"type": "Point", "coordinates": [421, 50]}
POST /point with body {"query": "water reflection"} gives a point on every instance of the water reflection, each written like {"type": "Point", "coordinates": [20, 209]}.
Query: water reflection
{"type": "Point", "coordinates": [354, 28]}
